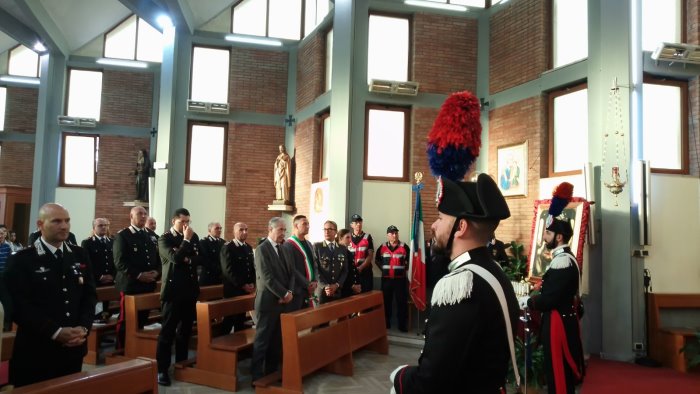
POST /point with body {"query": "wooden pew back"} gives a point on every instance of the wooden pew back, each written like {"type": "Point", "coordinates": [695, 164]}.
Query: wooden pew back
{"type": "Point", "coordinates": [665, 342]}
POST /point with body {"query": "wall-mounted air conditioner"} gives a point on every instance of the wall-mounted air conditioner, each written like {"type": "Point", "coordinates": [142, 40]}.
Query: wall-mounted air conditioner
{"type": "Point", "coordinates": [683, 53]}
{"type": "Point", "coordinates": [202, 106]}
{"type": "Point", "coordinates": [405, 88]}
{"type": "Point", "coordinates": [76, 122]}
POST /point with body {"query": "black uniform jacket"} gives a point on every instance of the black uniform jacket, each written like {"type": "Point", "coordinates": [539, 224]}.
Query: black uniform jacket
{"type": "Point", "coordinates": [101, 257]}
{"type": "Point", "coordinates": [210, 249]}
{"type": "Point", "coordinates": [135, 252]}
{"type": "Point", "coordinates": [332, 265]}
{"type": "Point", "coordinates": [237, 267]}
{"type": "Point", "coordinates": [466, 346]}
{"type": "Point", "coordinates": [48, 294]}
{"type": "Point", "coordinates": [180, 259]}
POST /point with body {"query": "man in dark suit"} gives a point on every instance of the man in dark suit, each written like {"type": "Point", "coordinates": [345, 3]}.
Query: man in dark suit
{"type": "Point", "coordinates": [210, 248]}
{"type": "Point", "coordinates": [137, 263]}
{"type": "Point", "coordinates": [179, 252]}
{"type": "Point", "coordinates": [99, 249]}
{"type": "Point", "coordinates": [333, 261]}
{"type": "Point", "coordinates": [52, 289]}
{"type": "Point", "coordinates": [300, 254]}
{"type": "Point", "coordinates": [275, 283]}
{"type": "Point", "coordinates": [238, 269]}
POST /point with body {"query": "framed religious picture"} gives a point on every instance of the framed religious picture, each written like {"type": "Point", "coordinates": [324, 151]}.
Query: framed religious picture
{"type": "Point", "coordinates": [512, 169]}
{"type": "Point", "coordinates": [577, 212]}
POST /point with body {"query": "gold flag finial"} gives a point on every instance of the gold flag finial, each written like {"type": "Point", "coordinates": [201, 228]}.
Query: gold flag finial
{"type": "Point", "coordinates": [418, 176]}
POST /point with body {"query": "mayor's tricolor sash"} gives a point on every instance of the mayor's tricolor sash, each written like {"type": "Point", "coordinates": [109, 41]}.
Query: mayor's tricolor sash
{"type": "Point", "coordinates": [308, 260]}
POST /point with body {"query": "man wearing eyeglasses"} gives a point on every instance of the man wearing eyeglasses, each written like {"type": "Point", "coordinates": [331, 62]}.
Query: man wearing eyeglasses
{"type": "Point", "coordinates": [333, 260]}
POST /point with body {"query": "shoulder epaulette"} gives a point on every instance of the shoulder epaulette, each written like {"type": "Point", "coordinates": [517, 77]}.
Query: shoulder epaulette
{"type": "Point", "coordinates": [560, 263]}
{"type": "Point", "coordinates": [453, 287]}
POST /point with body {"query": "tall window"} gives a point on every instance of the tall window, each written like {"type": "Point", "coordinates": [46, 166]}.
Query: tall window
{"type": "Point", "coordinates": [386, 143]}
{"type": "Point", "coordinates": [23, 62]}
{"type": "Point", "coordinates": [388, 48]}
{"type": "Point", "coordinates": [268, 18]}
{"type": "Point", "coordinates": [84, 93]}
{"type": "Point", "coordinates": [329, 59]}
{"type": "Point", "coordinates": [210, 74]}
{"type": "Point", "coordinates": [568, 130]}
{"type": "Point", "coordinates": [665, 125]}
{"type": "Point", "coordinates": [569, 31]}
{"type": "Point", "coordinates": [662, 21]}
{"type": "Point", "coordinates": [79, 160]}
{"type": "Point", "coordinates": [134, 39]}
{"type": "Point", "coordinates": [3, 104]}
{"type": "Point", "coordinates": [325, 145]}
{"type": "Point", "coordinates": [206, 153]}
{"type": "Point", "coordinates": [314, 12]}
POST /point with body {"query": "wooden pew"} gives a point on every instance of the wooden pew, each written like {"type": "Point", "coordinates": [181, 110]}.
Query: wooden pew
{"type": "Point", "coordinates": [665, 342]}
{"type": "Point", "coordinates": [327, 347]}
{"type": "Point", "coordinates": [133, 376]}
{"type": "Point", "coordinates": [106, 293]}
{"type": "Point", "coordinates": [140, 342]}
{"type": "Point", "coordinates": [216, 364]}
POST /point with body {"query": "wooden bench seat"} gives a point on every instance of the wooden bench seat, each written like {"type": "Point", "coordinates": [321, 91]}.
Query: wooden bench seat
{"type": "Point", "coordinates": [136, 376]}
{"type": "Point", "coordinates": [334, 336]}
{"type": "Point", "coordinates": [665, 342]}
{"type": "Point", "coordinates": [216, 363]}
{"type": "Point", "coordinates": [8, 343]}
{"type": "Point", "coordinates": [104, 294]}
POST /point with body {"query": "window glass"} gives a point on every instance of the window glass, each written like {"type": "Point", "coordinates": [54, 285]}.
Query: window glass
{"type": "Point", "coordinates": [570, 131]}
{"type": "Point", "coordinates": [79, 159]}
{"type": "Point", "coordinates": [329, 59]}
{"type": "Point", "coordinates": [23, 62]}
{"type": "Point", "coordinates": [84, 94]}
{"type": "Point", "coordinates": [661, 117]}
{"type": "Point", "coordinates": [314, 12]}
{"type": "Point", "coordinates": [661, 22]}
{"type": "Point", "coordinates": [285, 19]}
{"type": "Point", "coordinates": [387, 48]}
{"type": "Point", "coordinates": [120, 43]}
{"type": "Point", "coordinates": [386, 130]}
{"type": "Point", "coordinates": [210, 75]}
{"type": "Point", "coordinates": [570, 31]}
{"type": "Point", "coordinates": [150, 43]}
{"type": "Point", "coordinates": [3, 103]}
{"type": "Point", "coordinates": [325, 163]}
{"type": "Point", "coordinates": [249, 17]}
{"type": "Point", "coordinates": [206, 154]}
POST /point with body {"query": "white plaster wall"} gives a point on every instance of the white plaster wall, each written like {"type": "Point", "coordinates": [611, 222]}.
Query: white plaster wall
{"type": "Point", "coordinates": [80, 204]}
{"type": "Point", "coordinates": [206, 204]}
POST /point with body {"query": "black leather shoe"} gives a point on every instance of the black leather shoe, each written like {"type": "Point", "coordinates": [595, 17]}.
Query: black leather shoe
{"type": "Point", "coordinates": [163, 379]}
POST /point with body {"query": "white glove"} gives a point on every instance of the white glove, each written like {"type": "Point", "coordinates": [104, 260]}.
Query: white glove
{"type": "Point", "coordinates": [522, 301]}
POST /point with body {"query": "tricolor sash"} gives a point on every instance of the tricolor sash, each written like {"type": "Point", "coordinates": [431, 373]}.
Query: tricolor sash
{"type": "Point", "coordinates": [308, 260]}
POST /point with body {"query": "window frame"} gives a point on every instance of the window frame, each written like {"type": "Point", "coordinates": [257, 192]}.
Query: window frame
{"type": "Point", "coordinates": [136, 40]}
{"type": "Point", "coordinates": [683, 22]}
{"type": "Point", "coordinates": [228, 49]}
{"type": "Point", "coordinates": [267, 20]}
{"type": "Point", "coordinates": [9, 55]}
{"type": "Point", "coordinates": [3, 110]}
{"type": "Point", "coordinates": [96, 140]}
{"type": "Point", "coordinates": [684, 148]}
{"type": "Point", "coordinates": [407, 142]}
{"type": "Point", "coordinates": [550, 49]}
{"type": "Point", "coordinates": [68, 78]}
{"type": "Point", "coordinates": [409, 18]}
{"type": "Point", "coordinates": [550, 126]}
{"type": "Point", "coordinates": [322, 140]}
{"type": "Point", "coordinates": [190, 124]}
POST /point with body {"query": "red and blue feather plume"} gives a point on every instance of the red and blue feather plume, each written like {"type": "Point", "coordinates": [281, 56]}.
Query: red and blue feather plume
{"type": "Point", "coordinates": [455, 139]}
{"type": "Point", "coordinates": [561, 196]}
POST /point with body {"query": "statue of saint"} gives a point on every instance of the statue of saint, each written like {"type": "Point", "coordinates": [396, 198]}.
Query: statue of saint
{"type": "Point", "coordinates": [142, 172]}
{"type": "Point", "coordinates": [282, 175]}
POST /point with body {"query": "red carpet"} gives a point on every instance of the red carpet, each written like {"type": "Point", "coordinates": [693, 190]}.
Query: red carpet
{"type": "Point", "coordinates": [608, 377]}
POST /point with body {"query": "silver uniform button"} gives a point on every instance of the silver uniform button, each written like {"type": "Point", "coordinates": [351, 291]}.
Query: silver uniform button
{"type": "Point", "coordinates": [67, 302]}
{"type": "Point", "coordinates": [65, 290]}
{"type": "Point", "coordinates": [67, 313]}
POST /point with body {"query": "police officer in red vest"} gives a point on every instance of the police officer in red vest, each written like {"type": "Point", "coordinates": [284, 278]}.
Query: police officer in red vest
{"type": "Point", "coordinates": [362, 246]}
{"type": "Point", "coordinates": [392, 259]}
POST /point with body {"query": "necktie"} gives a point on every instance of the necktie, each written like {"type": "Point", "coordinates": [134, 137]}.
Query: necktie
{"type": "Point", "coordinates": [59, 255]}
{"type": "Point", "coordinates": [277, 249]}
{"type": "Point", "coordinates": [331, 246]}
{"type": "Point", "coordinates": [103, 240]}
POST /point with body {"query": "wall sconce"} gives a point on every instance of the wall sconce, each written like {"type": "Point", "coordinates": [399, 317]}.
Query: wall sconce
{"type": "Point", "coordinates": [483, 104]}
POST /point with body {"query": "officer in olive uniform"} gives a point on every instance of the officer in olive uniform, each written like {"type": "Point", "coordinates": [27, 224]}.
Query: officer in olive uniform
{"type": "Point", "coordinates": [179, 252]}
{"type": "Point", "coordinates": [238, 270]}
{"type": "Point", "coordinates": [51, 287]}
{"type": "Point", "coordinates": [210, 248]}
{"type": "Point", "coordinates": [137, 263]}
{"type": "Point", "coordinates": [467, 346]}
{"type": "Point", "coordinates": [333, 261]}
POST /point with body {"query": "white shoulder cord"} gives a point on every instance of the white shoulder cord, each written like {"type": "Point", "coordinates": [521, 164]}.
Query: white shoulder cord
{"type": "Point", "coordinates": [487, 276]}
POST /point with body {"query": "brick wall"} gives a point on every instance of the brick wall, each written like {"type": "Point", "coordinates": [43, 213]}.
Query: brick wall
{"type": "Point", "coordinates": [444, 53]}
{"type": "Point", "coordinates": [115, 182]}
{"type": "Point", "coordinates": [305, 162]}
{"type": "Point", "coordinates": [311, 70]}
{"type": "Point", "coordinates": [423, 119]}
{"type": "Point", "coordinates": [512, 124]}
{"type": "Point", "coordinates": [21, 109]}
{"type": "Point", "coordinates": [251, 154]}
{"type": "Point", "coordinates": [258, 81]}
{"type": "Point", "coordinates": [127, 98]}
{"type": "Point", "coordinates": [519, 43]}
{"type": "Point", "coordinates": [16, 163]}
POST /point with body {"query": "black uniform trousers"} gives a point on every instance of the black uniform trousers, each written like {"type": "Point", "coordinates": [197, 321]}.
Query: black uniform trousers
{"type": "Point", "coordinates": [366, 279]}
{"type": "Point", "coordinates": [396, 288]}
{"type": "Point", "coordinates": [178, 317]}
{"type": "Point", "coordinates": [267, 348]}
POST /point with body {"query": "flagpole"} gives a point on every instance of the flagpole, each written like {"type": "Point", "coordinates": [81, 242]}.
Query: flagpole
{"type": "Point", "coordinates": [418, 177]}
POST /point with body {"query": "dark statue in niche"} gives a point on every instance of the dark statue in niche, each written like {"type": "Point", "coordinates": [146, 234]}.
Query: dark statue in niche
{"type": "Point", "coordinates": [142, 172]}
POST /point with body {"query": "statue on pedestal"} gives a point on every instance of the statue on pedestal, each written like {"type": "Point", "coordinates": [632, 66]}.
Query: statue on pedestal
{"type": "Point", "coordinates": [283, 165]}
{"type": "Point", "coordinates": [142, 172]}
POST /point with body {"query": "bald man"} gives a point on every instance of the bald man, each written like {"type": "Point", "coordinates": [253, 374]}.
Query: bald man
{"type": "Point", "coordinates": [52, 289]}
{"type": "Point", "coordinates": [238, 271]}
{"type": "Point", "coordinates": [138, 265]}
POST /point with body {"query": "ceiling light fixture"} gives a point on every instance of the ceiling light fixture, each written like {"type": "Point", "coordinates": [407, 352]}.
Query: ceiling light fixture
{"type": "Point", "coordinates": [254, 40]}
{"type": "Point", "coordinates": [440, 6]}
{"type": "Point", "coordinates": [39, 47]}
{"type": "Point", "coordinates": [164, 21]}
{"type": "Point", "coordinates": [122, 63]}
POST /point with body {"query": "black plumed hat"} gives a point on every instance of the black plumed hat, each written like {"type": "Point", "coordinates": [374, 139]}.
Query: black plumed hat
{"type": "Point", "coordinates": [480, 200]}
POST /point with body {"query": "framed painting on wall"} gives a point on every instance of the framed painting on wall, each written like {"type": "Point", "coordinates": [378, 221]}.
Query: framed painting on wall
{"type": "Point", "coordinates": [512, 169]}
{"type": "Point", "coordinates": [577, 212]}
